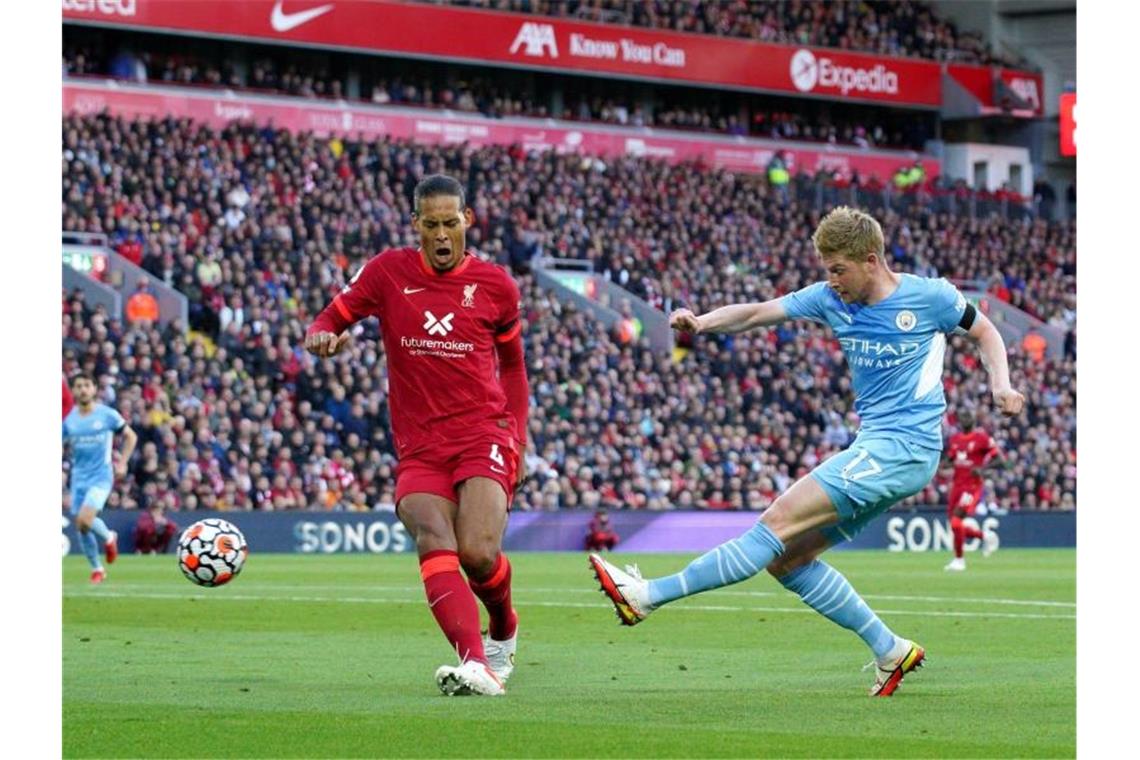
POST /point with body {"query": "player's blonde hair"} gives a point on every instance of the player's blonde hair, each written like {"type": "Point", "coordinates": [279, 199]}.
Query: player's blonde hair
{"type": "Point", "coordinates": [849, 233]}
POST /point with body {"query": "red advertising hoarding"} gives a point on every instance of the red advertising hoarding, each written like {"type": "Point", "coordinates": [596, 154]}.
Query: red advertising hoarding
{"type": "Point", "coordinates": [462, 34]}
{"type": "Point", "coordinates": [1068, 110]}
{"type": "Point", "coordinates": [1001, 91]}
{"type": "Point", "coordinates": [432, 127]}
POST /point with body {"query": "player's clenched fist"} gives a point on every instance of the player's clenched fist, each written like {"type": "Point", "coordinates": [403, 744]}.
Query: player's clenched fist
{"type": "Point", "coordinates": [325, 343]}
{"type": "Point", "coordinates": [685, 321]}
{"type": "Point", "coordinates": [1009, 401]}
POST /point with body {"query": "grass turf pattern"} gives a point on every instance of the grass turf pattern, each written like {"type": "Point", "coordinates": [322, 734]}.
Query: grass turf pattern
{"type": "Point", "coordinates": [333, 656]}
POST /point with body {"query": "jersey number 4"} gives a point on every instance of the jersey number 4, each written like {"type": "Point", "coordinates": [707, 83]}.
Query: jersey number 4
{"type": "Point", "coordinates": [873, 467]}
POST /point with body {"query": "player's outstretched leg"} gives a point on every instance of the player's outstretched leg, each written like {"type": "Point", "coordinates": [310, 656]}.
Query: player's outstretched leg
{"type": "Point", "coordinates": [803, 507]}
{"type": "Point", "coordinates": [825, 590]}
{"type": "Point", "coordinates": [731, 562]}
{"type": "Point", "coordinates": [501, 640]}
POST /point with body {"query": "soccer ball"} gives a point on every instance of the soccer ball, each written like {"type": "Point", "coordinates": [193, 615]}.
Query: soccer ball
{"type": "Point", "coordinates": [211, 552]}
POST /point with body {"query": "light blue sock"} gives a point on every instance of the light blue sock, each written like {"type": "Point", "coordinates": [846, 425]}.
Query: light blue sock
{"type": "Point", "coordinates": [825, 590]}
{"type": "Point", "coordinates": [101, 531]}
{"type": "Point", "coordinates": [90, 546]}
{"type": "Point", "coordinates": [731, 562]}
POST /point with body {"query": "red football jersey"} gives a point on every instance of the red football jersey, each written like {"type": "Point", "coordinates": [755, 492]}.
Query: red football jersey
{"type": "Point", "coordinates": [439, 331]}
{"type": "Point", "coordinates": [967, 450]}
{"type": "Point", "coordinates": [68, 399]}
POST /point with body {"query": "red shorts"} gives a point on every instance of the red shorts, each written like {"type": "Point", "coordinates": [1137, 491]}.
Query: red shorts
{"type": "Point", "coordinates": [492, 454]}
{"type": "Point", "coordinates": [964, 498]}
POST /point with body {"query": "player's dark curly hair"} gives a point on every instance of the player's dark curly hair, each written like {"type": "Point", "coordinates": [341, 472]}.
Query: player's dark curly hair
{"type": "Point", "coordinates": [438, 184]}
{"type": "Point", "coordinates": [71, 381]}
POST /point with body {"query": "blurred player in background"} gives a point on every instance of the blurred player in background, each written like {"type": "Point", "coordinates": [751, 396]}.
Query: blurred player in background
{"type": "Point", "coordinates": [600, 533]}
{"type": "Point", "coordinates": [969, 451]}
{"type": "Point", "coordinates": [892, 330]}
{"type": "Point", "coordinates": [89, 430]}
{"type": "Point", "coordinates": [458, 399]}
{"type": "Point", "coordinates": [68, 399]}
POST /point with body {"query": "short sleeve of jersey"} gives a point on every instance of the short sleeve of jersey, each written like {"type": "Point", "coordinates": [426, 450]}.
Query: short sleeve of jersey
{"type": "Point", "coordinates": [947, 305]}
{"type": "Point", "coordinates": [362, 296]}
{"type": "Point", "coordinates": [991, 445]}
{"type": "Point", "coordinates": [807, 303]}
{"type": "Point", "coordinates": [115, 420]}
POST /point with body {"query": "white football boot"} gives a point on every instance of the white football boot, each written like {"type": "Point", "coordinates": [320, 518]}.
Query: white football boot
{"type": "Point", "coordinates": [501, 655]}
{"type": "Point", "coordinates": [890, 671]}
{"type": "Point", "coordinates": [628, 591]}
{"type": "Point", "coordinates": [470, 678]}
{"type": "Point", "coordinates": [989, 543]}
{"type": "Point", "coordinates": [958, 564]}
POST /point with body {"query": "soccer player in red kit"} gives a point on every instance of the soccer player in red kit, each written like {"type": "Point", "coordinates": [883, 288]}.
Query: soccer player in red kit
{"type": "Point", "coordinates": [969, 452]}
{"type": "Point", "coordinates": [458, 398]}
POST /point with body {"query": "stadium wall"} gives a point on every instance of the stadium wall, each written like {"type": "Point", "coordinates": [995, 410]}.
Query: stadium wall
{"type": "Point", "coordinates": [381, 532]}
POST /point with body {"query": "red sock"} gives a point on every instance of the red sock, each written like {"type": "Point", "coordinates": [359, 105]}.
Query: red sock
{"type": "Point", "coordinates": [495, 591]}
{"type": "Point", "coordinates": [969, 532]}
{"type": "Point", "coordinates": [452, 604]}
{"type": "Point", "coordinates": [959, 531]}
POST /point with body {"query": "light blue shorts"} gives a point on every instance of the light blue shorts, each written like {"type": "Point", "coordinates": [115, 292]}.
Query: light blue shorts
{"type": "Point", "coordinates": [92, 495]}
{"type": "Point", "coordinates": [871, 476]}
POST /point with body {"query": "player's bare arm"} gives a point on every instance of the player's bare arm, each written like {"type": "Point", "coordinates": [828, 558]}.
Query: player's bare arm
{"type": "Point", "coordinates": [130, 440]}
{"type": "Point", "coordinates": [992, 349]}
{"type": "Point", "coordinates": [735, 318]}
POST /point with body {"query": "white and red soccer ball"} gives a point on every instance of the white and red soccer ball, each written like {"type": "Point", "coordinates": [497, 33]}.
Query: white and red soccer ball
{"type": "Point", "coordinates": [211, 552]}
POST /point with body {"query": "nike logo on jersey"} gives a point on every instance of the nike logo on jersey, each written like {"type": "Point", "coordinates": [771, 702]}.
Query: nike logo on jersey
{"type": "Point", "coordinates": [845, 316]}
{"type": "Point", "coordinates": [408, 291]}
{"type": "Point", "coordinates": [284, 22]}
{"type": "Point", "coordinates": [496, 469]}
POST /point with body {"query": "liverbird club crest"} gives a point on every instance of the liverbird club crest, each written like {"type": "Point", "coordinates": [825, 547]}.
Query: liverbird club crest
{"type": "Point", "coordinates": [469, 295]}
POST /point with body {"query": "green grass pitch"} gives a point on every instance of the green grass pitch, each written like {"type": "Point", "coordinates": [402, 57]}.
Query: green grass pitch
{"type": "Point", "coordinates": [333, 656]}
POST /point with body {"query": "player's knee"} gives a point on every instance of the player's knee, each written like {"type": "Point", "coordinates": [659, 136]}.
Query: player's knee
{"type": "Point", "coordinates": [778, 518]}
{"type": "Point", "coordinates": [478, 561]}
{"type": "Point", "coordinates": [785, 565]}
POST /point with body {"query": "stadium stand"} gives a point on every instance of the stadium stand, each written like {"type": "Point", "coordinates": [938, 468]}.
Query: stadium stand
{"type": "Point", "coordinates": [259, 227]}
{"type": "Point", "coordinates": [273, 73]}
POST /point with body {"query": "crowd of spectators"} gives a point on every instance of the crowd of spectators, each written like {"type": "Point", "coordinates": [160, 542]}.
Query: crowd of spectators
{"type": "Point", "coordinates": [491, 98]}
{"type": "Point", "coordinates": [259, 228]}
{"type": "Point", "coordinates": [267, 73]}
{"type": "Point", "coordinates": [885, 27]}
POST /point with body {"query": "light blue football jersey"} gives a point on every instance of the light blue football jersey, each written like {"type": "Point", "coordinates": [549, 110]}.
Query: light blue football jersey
{"type": "Point", "coordinates": [91, 437]}
{"type": "Point", "coordinates": [894, 349]}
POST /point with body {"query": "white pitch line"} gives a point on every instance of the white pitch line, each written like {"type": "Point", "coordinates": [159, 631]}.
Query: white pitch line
{"type": "Point", "coordinates": [720, 592]}
{"type": "Point", "coordinates": [574, 605]}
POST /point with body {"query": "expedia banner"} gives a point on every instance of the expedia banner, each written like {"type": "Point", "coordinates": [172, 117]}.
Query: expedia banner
{"type": "Point", "coordinates": [382, 532]}
{"type": "Point", "coordinates": [481, 36]}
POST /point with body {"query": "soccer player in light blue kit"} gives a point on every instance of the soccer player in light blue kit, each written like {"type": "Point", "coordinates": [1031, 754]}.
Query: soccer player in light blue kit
{"type": "Point", "coordinates": [89, 430]}
{"type": "Point", "coordinates": [892, 329]}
